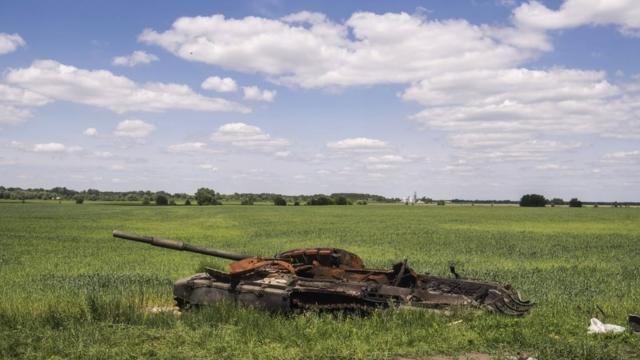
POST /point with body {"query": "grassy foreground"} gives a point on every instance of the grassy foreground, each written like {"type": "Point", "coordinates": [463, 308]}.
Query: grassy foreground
{"type": "Point", "coordinates": [69, 290]}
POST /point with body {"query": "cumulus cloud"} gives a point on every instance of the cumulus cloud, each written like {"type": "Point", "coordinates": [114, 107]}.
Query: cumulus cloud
{"type": "Point", "coordinates": [254, 93]}
{"type": "Point", "coordinates": [622, 157]}
{"type": "Point", "coordinates": [133, 59]}
{"type": "Point", "coordinates": [134, 129]}
{"type": "Point", "coordinates": [505, 111]}
{"type": "Point", "coordinates": [52, 147]}
{"type": "Point", "coordinates": [309, 50]}
{"type": "Point", "coordinates": [10, 42]}
{"type": "Point", "coordinates": [219, 84]}
{"type": "Point", "coordinates": [358, 144]}
{"type": "Point", "coordinates": [574, 13]}
{"type": "Point", "coordinates": [91, 132]}
{"type": "Point", "coordinates": [207, 167]}
{"type": "Point", "coordinates": [248, 137]}
{"type": "Point", "coordinates": [103, 89]}
{"type": "Point", "coordinates": [191, 148]}
{"type": "Point", "coordinates": [15, 103]}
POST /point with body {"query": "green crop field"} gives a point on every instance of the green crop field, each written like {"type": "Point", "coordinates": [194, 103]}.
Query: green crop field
{"type": "Point", "coordinates": [70, 290]}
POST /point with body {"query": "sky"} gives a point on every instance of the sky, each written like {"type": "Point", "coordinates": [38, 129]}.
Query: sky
{"type": "Point", "coordinates": [474, 99]}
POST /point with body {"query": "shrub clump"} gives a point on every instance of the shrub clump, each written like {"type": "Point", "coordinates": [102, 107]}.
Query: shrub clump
{"type": "Point", "coordinates": [575, 203]}
{"type": "Point", "coordinates": [320, 200]}
{"type": "Point", "coordinates": [279, 201]}
{"type": "Point", "coordinates": [533, 200]}
{"type": "Point", "coordinates": [206, 196]}
{"type": "Point", "coordinates": [79, 199]}
{"type": "Point", "coordinates": [162, 200]}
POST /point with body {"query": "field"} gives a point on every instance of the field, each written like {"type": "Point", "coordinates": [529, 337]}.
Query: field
{"type": "Point", "coordinates": [70, 290]}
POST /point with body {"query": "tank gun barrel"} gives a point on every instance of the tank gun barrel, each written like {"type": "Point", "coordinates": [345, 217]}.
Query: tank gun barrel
{"type": "Point", "coordinates": [178, 245]}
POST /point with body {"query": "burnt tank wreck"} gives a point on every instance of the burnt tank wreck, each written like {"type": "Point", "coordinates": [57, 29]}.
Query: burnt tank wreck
{"type": "Point", "coordinates": [329, 279]}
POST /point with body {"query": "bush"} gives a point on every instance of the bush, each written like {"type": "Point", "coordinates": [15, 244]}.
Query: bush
{"type": "Point", "coordinates": [279, 201]}
{"type": "Point", "coordinates": [205, 196]}
{"type": "Point", "coordinates": [296, 203]}
{"type": "Point", "coordinates": [575, 203]}
{"type": "Point", "coordinates": [146, 201]}
{"type": "Point", "coordinates": [341, 200]}
{"type": "Point", "coordinates": [557, 201]}
{"type": "Point", "coordinates": [246, 201]}
{"type": "Point", "coordinates": [79, 199]}
{"type": "Point", "coordinates": [161, 200]}
{"type": "Point", "coordinates": [172, 201]}
{"type": "Point", "coordinates": [533, 200]}
{"type": "Point", "coordinates": [320, 200]}
{"type": "Point", "coordinates": [187, 202]}
{"type": "Point", "coordinates": [361, 202]}
{"type": "Point", "coordinates": [440, 203]}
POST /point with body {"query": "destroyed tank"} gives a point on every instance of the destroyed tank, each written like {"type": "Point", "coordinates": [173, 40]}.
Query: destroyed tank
{"type": "Point", "coordinates": [329, 279]}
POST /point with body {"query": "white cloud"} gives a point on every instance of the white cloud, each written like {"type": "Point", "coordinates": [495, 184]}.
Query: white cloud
{"type": "Point", "coordinates": [118, 167]}
{"type": "Point", "coordinates": [135, 58]}
{"type": "Point", "coordinates": [13, 115]}
{"type": "Point", "coordinates": [248, 137]}
{"type": "Point", "coordinates": [188, 148]}
{"type": "Point", "coordinates": [52, 147]}
{"type": "Point", "coordinates": [550, 166]}
{"type": "Point", "coordinates": [10, 42]}
{"type": "Point", "coordinates": [103, 89]}
{"type": "Point", "coordinates": [622, 156]}
{"type": "Point", "coordinates": [574, 13]}
{"type": "Point", "coordinates": [358, 144]}
{"type": "Point", "coordinates": [207, 167]}
{"type": "Point", "coordinates": [219, 84]}
{"type": "Point", "coordinates": [102, 154]}
{"type": "Point", "coordinates": [15, 103]}
{"type": "Point", "coordinates": [498, 108]}
{"type": "Point", "coordinates": [282, 154]}
{"type": "Point", "coordinates": [254, 93]}
{"type": "Point", "coordinates": [135, 129]}
{"type": "Point", "coordinates": [390, 158]}
{"type": "Point", "coordinates": [91, 132]}
{"type": "Point", "coordinates": [309, 50]}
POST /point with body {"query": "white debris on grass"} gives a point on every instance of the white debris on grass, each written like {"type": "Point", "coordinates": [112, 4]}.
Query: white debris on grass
{"type": "Point", "coordinates": [164, 309]}
{"type": "Point", "coordinates": [597, 327]}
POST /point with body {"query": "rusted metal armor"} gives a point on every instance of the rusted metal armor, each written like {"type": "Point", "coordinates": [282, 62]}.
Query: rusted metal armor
{"type": "Point", "coordinates": [329, 279]}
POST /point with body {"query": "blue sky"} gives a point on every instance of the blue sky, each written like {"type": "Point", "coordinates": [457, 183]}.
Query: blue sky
{"type": "Point", "coordinates": [468, 99]}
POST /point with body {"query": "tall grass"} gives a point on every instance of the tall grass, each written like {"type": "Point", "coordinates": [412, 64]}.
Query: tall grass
{"type": "Point", "coordinates": [69, 290]}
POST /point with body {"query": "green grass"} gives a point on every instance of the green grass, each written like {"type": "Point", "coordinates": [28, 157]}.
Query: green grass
{"type": "Point", "coordinates": [70, 290]}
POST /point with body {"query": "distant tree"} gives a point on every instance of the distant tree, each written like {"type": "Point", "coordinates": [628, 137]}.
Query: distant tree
{"type": "Point", "coordinates": [187, 202]}
{"type": "Point", "coordinates": [146, 201]}
{"type": "Point", "coordinates": [279, 201]}
{"type": "Point", "coordinates": [296, 203]}
{"type": "Point", "coordinates": [161, 200]}
{"type": "Point", "coordinates": [575, 203]}
{"type": "Point", "coordinates": [320, 200]}
{"type": "Point", "coordinates": [440, 203]}
{"type": "Point", "coordinates": [341, 200]}
{"type": "Point", "coordinates": [361, 202]}
{"type": "Point", "coordinates": [206, 196]}
{"type": "Point", "coordinates": [131, 197]}
{"type": "Point", "coordinates": [79, 199]}
{"type": "Point", "coordinates": [247, 201]}
{"type": "Point", "coordinates": [426, 200]}
{"type": "Point", "coordinates": [172, 201]}
{"type": "Point", "coordinates": [533, 200]}
{"type": "Point", "coordinates": [557, 201]}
